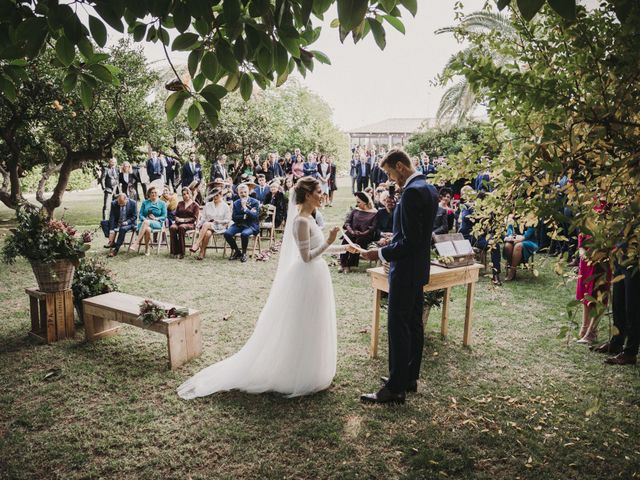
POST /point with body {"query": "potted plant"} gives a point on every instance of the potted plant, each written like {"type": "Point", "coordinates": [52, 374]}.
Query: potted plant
{"type": "Point", "coordinates": [432, 299]}
{"type": "Point", "coordinates": [91, 278]}
{"type": "Point", "coordinates": [53, 248]}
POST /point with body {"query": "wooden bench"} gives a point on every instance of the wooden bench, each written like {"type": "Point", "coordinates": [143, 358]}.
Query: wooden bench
{"type": "Point", "coordinates": [104, 314]}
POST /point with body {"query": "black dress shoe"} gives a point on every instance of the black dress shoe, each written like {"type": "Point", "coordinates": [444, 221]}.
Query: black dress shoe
{"type": "Point", "coordinates": [607, 347]}
{"type": "Point", "coordinates": [384, 396]}
{"type": "Point", "coordinates": [622, 359]}
{"type": "Point", "coordinates": [243, 257]}
{"type": "Point", "coordinates": [235, 255]}
{"type": "Point", "coordinates": [411, 388]}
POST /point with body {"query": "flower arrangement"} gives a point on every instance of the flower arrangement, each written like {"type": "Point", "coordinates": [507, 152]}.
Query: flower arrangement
{"type": "Point", "coordinates": [42, 240]}
{"type": "Point", "coordinates": [152, 312]}
{"type": "Point", "coordinates": [91, 278]}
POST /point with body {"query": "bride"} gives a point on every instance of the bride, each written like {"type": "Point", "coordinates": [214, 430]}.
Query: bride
{"type": "Point", "coordinates": [293, 347]}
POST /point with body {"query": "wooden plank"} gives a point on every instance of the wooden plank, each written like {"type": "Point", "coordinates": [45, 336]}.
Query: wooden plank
{"type": "Point", "coordinates": [33, 311]}
{"type": "Point", "coordinates": [177, 345]}
{"type": "Point", "coordinates": [375, 322]}
{"type": "Point", "coordinates": [193, 334]}
{"type": "Point", "coordinates": [89, 329]}
{"type": "Point", "coordinates": [61, 331]}
{"type": "Point", "coordinates": [35, 293]}
{"type": "Point", "coordinates": [49, 307]}
{"type": "Point", "coordinates": [468, 314]}
{"type": "Point", "coordinates": [444, 324]}
{"type": "Point", "coordinates": [70, 324]}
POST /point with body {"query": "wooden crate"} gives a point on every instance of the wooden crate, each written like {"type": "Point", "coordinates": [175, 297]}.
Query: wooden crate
{"type": "Point", "coordinates": [51, 315]}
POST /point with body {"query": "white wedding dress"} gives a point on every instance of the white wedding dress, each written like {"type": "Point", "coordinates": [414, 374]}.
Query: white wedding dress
{"type": "Point", "coordinates": [293, 347]}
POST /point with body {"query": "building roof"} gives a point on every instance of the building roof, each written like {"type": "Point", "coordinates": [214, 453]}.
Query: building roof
{"type": "Point", "coordinates": [394, 125]}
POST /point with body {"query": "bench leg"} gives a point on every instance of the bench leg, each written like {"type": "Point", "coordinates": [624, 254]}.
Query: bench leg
{"type": "Point", "coordinates": [444, 324]}
{"type": "Point", "coordinates": [96, 327]}
{"type": "Point", "coordinates": [375, 322]}
{"type": "Point", "coordinates": [468, 314]}
{"type": "Point", "coordinates": [184, 341]}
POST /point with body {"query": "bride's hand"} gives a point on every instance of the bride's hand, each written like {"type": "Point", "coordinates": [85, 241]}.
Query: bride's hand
{"type": "Point", "coordinates": [333, 233]}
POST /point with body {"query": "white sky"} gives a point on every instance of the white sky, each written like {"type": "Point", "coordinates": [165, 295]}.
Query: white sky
{"type": "Point", "coordinates": [364, 84]}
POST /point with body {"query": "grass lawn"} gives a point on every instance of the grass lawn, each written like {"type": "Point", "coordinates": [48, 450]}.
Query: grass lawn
{"type": "Point", "coordinates": [520, 403]}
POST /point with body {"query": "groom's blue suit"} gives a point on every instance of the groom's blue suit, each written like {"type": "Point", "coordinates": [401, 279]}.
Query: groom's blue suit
{"type": "Point", "coordinates": [410, 256]}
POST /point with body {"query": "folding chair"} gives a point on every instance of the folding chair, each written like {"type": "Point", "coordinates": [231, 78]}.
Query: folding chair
{"type": "Point", "coordinates": [269, 225]}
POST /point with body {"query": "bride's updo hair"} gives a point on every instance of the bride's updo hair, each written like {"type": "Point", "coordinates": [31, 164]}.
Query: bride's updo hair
{"type": "Point", "coordinates": [304, 186]}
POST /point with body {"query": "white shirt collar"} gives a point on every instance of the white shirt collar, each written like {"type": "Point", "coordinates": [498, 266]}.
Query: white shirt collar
{"type": "Point", "coordinates": [411, 178]}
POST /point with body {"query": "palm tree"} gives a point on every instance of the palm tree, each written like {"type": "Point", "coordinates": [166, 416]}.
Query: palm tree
{"type": "Point", "coordinates": [458, 102]}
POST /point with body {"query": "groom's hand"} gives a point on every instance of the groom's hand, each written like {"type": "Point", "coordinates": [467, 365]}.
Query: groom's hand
{"type": "Point", "coordinates": [371, 255]}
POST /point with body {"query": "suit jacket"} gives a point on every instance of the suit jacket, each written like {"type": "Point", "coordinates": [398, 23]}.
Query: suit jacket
{"type": "Point", "coordinates": [441, 222]}
{"type": "Point", "coordinates": [276, 170]}
{"type": "Point", "coordinates": [109, 179]}
{"type": "Point", "coordinates": [249, 217]}
{"type": "Point", "coordinates": [131, 214]}
{"type": "Point", "coordinates": [157, 172]}
{"type": "Point", "coordinates": [130, 186]}
{"type": "Point", "coordinates": [378, 175]}
{"type": "Point", "coordinates": [172, 167]}
{"type": "Point", "coordinates": [218, 171]}
{"type": "Point", "coordinates": [262, 192]}
{"type": "Point", "coordinates": [410, 249]}
{"type": "Point", "coordinates": [189, 175]}
{"type": "Point", "coordinates": [310, 169]}
{"type": "Point", "coordinates": [359, 170]}
{"type": "Point", "coordinates": [353, 173]}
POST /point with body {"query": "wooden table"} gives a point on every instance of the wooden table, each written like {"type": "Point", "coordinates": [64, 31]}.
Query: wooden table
{"type": "Point", "coordinates": [439, 278]}
{"type": "Point", "coordinates": [104, 313]}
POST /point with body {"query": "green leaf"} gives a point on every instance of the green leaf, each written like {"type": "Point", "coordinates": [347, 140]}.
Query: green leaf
{"type": "Point", "coordinates": [529, 8]}
{"type": "Point", "coordinates": [411, 5]}
{"type": "Point", "coordinates": [193, 61]}
{"type": "Point", "coordinates": [378, 33]}
{"type": "Point", "coordinates": [225, 57]}
{"type": "Point", "coordinates": [174, 103]}
{"type": "Point", "coordinates": [502, 4]}
{"type": "Point", "coordinates": [351, 12]}
{"type": "Point", "coordinates": [34, 32]}
{"type": "Point", "coordinates": [233, 79]}
{"type": "Point", "coordinates": [321, 57]}
{"type": "Point", "coordinates": [231, 10]}
{"type": "Point", "coordinates": [335, 23]}
{"type": "Point", "coordinates": [163, 35]}
{"type": "Point", "coordinates": [565, 8]}
{"type": "Point", "coordinates": [69, 82]}
{"type": "Point", "coordinates": [101, 72]}
{"type": "Point", "coordinates": [109, 15]}
{"type": "Point", "coordinates": [86, 95]}
{"type": "Point", "coordinates": [265, 59]}
{"type": "Point", "coordinates": [305, 10]}
{"type": "Point", "coordinates": [246, 86]}
{"type": "Point", "coordinates": [8, 89]}
{"type": "Point", "coordinates": [281, 59]}
{"type": "Point", "coordinates": [292, 46]}
{"type": "Point", "coordinates": [193, 116]}
{"type": "Point", "coordinates": [282, 78]}
{"type": "Point", "coordinates": [65, 51]}
{"type": "Point", "coordinates": [139, 32]}
{"type": "Point", "coordinates": [214, 89]}
{"type": "Point", "coordinates": [211, 113]}
{"type": "Point", "coordinates": [388, 5]}
{"type": "Point", "coordinates": [98, 30]}
{"type": "Point", "coordinates": [210, 67]}
{"type": "Point", "coordinates": [186, 41]}
{"type": "Point", "coordinates": [181, 17]}
{"type": "Point", "coordinates": [86, 48]}
{"type": "Point", "coordinates": [211, 97]}
{"type": "Point", "coordinates": [395, 23]}
{"type": "Point", "coordinates": [198, 82]}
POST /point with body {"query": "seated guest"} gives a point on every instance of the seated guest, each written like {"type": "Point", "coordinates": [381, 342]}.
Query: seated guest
{"type": "Point", "coordinates": [153, 214]}
{"type": "Point", "coordinates": [361, 229]}
{"type": "Point", "coordinates": [441, 220]}
{"type": "Point", "coordinates": [194, 187]}
{"type": "Point", "coordinates": [262, 189]}
{"type": "Point", "coordinates": [276, 198]}
{"type": "Point", "coordinates": [245, 216]}
{"type": "Point", "coordinates": [215, 218]}
{"type": "Point", "coordinates": [122, 219]}
{"type": "Point", "coordinates": [518, 248]}
{"type": "Point", "coordinates": [186, 217]}
{"type": "Point", "coordinates": [263, 169]}
{"type": "Point", "coordinates": [384, 222]}
{"type": "Point", "coordinates": [297, 167]}
{"type": "Point", "coordinates": [171, 199]}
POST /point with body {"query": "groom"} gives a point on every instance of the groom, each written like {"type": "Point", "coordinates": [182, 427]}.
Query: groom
{"type": "Point", "coordinates": [409, 254]}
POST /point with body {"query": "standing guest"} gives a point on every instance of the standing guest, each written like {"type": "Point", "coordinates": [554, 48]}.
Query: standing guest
{"type": "Point", "coordinates": [287, 163]}
{"type": "Point", "coordinates": [245, 216]}
{"type": "Point", "coordinates": [333, 183]}
{"type": "Point", "coordinates": [122, 219]}
{"type": "Point", "coordinates": [155, 169]}
{"type": "Point", "coordinates": [262, 189]}
{"type": "Point", "coordinates": [153, 214]}
{"type": "Point", "coordinates": [276, 198]}
{"type": "Point", "coordinates": [109, 180]}
{"type": "Point", "coordinates": [128, 181]}
{"type": "Point", "coordinates": [215, 218]}
{"type": "Point", "coordinates": [310, 167]}
{"type": "Point", "coordinates": [360, 226]}
{"type": "Point", "coordinates": [353, 171]}
{"type": "Point", "coordinates": [296, 155]}
{"type": "Point", "coordinates": [186, 217]}
{"type": "Point", "coordinates": [274, 167]}
{"type": "Point", "coordinates": [324, 174]}
{"type": "Point", "coordinates": [172, 172]}
{"type": "Point", "coordinates": [427, 166]}
{"type": "Point", "coordinates": [286, 167]}
{"type": "Point", "coordinates": [219, 169]}
{"type": "Point", "coordinates": [191, 171]}
{"type": "Point", "coordinates": [140, 174]}
{"type": "Point", "coordinates": [363, 172]}
{"type": "Point", "coordinates": [171, 199]}
{"type": "Point", "coordinates": [297, 167]}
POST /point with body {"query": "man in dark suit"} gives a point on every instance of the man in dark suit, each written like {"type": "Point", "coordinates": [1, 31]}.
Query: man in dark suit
{"type": "Point", "coordinates": [109, 181]}
{"type": "Point", "coordinates": [409, 254]}
{"type": "Point", "coordinates": [191, 171]}
{"type": "Point", "coordinates": [155, 168]}
{"type": "Point", "coordinates": [122, 219]}
{"type": "Point", "coordinates": [245, 216]}
{"type": "Point", "coordinates": [172, 170]}
{"type": "Point", "coordinates": [219, 169]}
{"type": "Point", "coordinates": [363, 172]}
{"type": "Point", "coordinates": [262, 189]}
{"type": "Point", "coordinates": [275, 169]}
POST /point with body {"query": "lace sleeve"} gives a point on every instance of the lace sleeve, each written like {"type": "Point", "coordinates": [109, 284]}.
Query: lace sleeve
{"type": "Point", "coordinates": [302, 234]}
